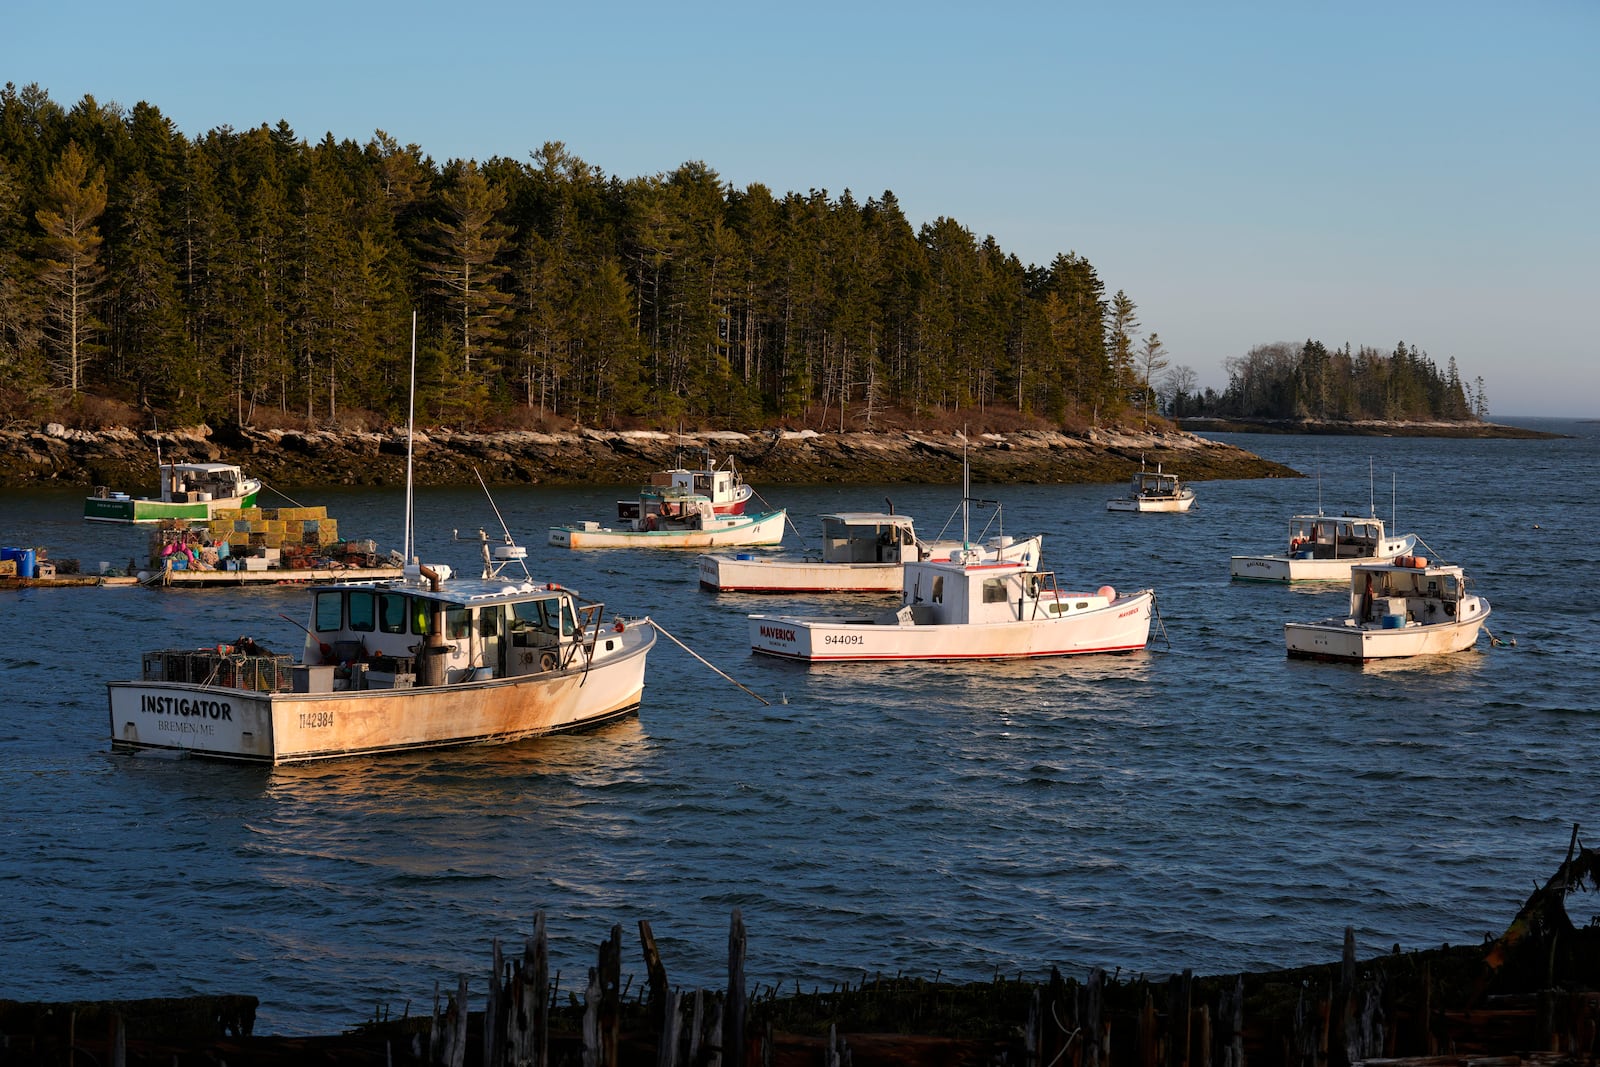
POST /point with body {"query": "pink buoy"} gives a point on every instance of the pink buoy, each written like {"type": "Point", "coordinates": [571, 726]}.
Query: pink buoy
{"type": "Point", "coordinates": [1108, 592]}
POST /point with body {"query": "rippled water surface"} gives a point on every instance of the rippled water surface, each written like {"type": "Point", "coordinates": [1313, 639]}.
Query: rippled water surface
{"type": "Point", "coordinates": [1206, 804]}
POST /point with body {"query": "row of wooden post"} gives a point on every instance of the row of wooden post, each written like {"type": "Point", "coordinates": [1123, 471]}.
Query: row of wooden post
{"type": "Point", "coordinates": [516, 1017]}
{"type": "Point", "coordinates": [1345, 1022]}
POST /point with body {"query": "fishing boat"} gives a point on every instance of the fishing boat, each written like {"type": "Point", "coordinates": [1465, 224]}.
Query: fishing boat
{"type": "Point", "coordinates": [426, 661]}
{"type": "Point", "coordinates": [723, 486]}
{"type": "Point", "coordinates": [188, 491]}
{"type": "Point", "coordinates": [430, 661]}
{"type": "Point", "coordinates": [1408, 606]}
{"type": "Point", "coordinates": [966, 608]}
{"type": "Point", "coordinates": [1153, 491]}
{"type": "Point", "coordinates": [862, 552]}
{"type": "Point", "coordinates": [673, 517]}
{"type": "Point", "coordinates": [1323, 548]}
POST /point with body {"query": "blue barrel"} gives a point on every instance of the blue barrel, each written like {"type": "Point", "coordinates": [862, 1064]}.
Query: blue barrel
{"type": "Point", "coordinates": [27, 561]}
{"type": "Point", "coordinates": [1394, 622]}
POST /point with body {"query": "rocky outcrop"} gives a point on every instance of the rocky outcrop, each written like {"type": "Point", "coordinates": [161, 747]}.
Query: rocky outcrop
{"type": "Point", "coordinates": [126, 459]}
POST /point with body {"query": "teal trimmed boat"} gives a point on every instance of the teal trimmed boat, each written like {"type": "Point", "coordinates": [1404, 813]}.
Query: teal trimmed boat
{"type": "Point", "coordinates": [188, 491]}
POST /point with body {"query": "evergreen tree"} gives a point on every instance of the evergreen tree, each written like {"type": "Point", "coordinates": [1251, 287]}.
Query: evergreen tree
{"type": "Point", "coordinates": [149, 351]}
{"type": "Point", "coordinates": [1123, 328]}
{"type": "Point", "coordinates": [74, 196]}
{"type": "Point", "coordinates": [464, 270]}
{"type": "Point", "coordinates": [21, 319]}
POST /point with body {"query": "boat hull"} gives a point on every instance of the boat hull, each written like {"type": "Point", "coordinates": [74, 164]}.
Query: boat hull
{"type": "Point", "coordinates": [730, 574]}
{"type": "Point", "coordinates": [1121, 626]}
{"type": "Point", "coordinates": [1345, 640]}
{"type": "Point", "coordinates": [142, 509]}
{"type": "Point", "coordinates": [1143, 504]}
{"type": "Point", "coordinates": [732, 531]}
{"type": "Point", "coordinates": [755, 574]}
{"type": "Point", "coordinates": [1287, 568]}
{"type": "Point", "coordinates": [277, 728]}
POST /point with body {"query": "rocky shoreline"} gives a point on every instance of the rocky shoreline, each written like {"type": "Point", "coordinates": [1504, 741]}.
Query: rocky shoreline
{"type": "Point", "coordinates": [125, 460]}
{"type": "Point", "coordinates": [1365, 428]}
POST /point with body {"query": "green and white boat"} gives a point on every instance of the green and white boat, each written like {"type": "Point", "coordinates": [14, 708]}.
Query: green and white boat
{"type": "Point", "coordinates": [188, 491]}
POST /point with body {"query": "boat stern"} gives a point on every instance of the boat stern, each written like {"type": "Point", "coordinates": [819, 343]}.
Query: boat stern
{"type": "Point", "coordinates": [191, 720]}
{"type": "Point", "coordinates": [1260, 568]}
{"type": "Point", "coordinates": [778, 635]}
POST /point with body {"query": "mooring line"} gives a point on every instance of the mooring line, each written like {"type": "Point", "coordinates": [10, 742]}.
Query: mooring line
{"type": "Point", "coordinates": [663, 631]}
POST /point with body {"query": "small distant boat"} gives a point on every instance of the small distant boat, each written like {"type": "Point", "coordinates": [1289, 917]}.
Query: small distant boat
{"type": "Point", "coordinates": [1406, 607]}
{"type": "Point", "coordinates": [967, 609]}
{"type": "Point", "coordinates": [188, 491]}
{"type": "Point", "coordinates": [723, 486]}
{"type": "Point", "coordinates": [862, 552]}
{"type": "Point", "coordinates": [1154, 491]}
{"type": "Point", "coordinates": [673, 517]}
{"type": "Point", "coordinates": [1323, 548]}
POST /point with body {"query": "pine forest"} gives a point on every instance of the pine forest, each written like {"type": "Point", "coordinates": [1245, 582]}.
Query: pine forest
{"type": "Point", "coordinates": [256, 278]}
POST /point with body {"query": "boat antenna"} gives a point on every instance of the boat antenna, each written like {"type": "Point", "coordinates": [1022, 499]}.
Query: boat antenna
{"type": "Point", "coordinates": [1372, 501]}
{"type": "Point", "coordinates": [515, 551]}
{"type": "Point", "coordinates": [1394, 501]}
{"type": "Point", "coordinates": [966, 493]}
{"type": "Point", "coordinates": [1319, 484]}
{"type": "Point", "coordinates": [411, 417]}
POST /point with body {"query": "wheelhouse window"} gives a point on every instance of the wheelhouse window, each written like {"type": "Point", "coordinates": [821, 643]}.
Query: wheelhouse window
{"type": "Point", "coordinates": [538, 614]}
{"type": "Point", "coordinates": [362, 610]}
{"type": "Point", "coordinates": [994, 591]}
{"type": "Point", "coordinates": [392, 612]}
{"type": "Point", "coordinates": [328, 612]}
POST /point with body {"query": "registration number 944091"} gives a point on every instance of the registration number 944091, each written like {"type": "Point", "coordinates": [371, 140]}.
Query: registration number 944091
{"type": "Point", "coordinates": [842, 639]}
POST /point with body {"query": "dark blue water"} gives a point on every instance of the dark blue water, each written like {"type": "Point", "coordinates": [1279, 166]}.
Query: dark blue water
{"type": "Point", "coordinates": [1213, 805]}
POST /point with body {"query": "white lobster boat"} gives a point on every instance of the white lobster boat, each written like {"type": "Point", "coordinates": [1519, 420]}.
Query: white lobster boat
{"type": "Point", "coordinates": [1154, 491]}
{"type": "Point", "coordinates": [1407, 607]}
{"type": "Point", "coordinates": [420, 663]}
{"type": "Point", "coordinates": [1323, 548]}
{"type": "Point", "coordinates": [862, 552]}
{"type": "Point", "coordinates": [671, 517]}
{"type": "Point", "coordinates": [964, 608]}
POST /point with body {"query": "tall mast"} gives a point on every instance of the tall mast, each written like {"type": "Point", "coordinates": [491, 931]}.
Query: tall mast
{"type": "Point", "coordinates": [411, 416]}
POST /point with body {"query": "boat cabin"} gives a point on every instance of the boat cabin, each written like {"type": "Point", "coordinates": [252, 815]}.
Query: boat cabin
{"type": "Point", "coordinates": [190, 482]}
{"type": "Point", "coordinates": [868, 537]}
{"type": "Point", "coordinates": [956, 592]}
{"type": "Point", "coordinates": [666, 507]}
{"type": "Point", "coordinates": [1408, 590]}
{"type": "Point", "coordinates": [396, 636]}
{"type": "Point", "coordinates": [1155, 484]}
{"type": "Point", "coordinates": [1335, 536]}
{"type": "Point", "coordinates": [719, 486]}
{"type": "Point", "coordinates": [722, 488]}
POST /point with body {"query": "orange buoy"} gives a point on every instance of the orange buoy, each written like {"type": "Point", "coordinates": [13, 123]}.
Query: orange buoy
{"type": "Point", "coordinates": [620, 627]}
{"type": "Point", "coordinates": [1108, 592]}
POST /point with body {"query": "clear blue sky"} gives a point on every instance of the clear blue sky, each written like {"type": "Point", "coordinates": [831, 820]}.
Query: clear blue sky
{"type": "Point", "coordinates": [1363, 172]}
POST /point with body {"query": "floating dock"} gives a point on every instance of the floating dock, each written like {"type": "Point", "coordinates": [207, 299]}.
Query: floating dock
{"type": "Point", "coordinates": [262, 546]}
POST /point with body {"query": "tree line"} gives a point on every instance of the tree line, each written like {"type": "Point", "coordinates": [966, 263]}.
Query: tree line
{"type": "Point", "coordinates": [1311, 381]}
{"type": "Point", "coordinates": [251, 276]}
{"type": "Point", "coordinates": [240, 274]}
